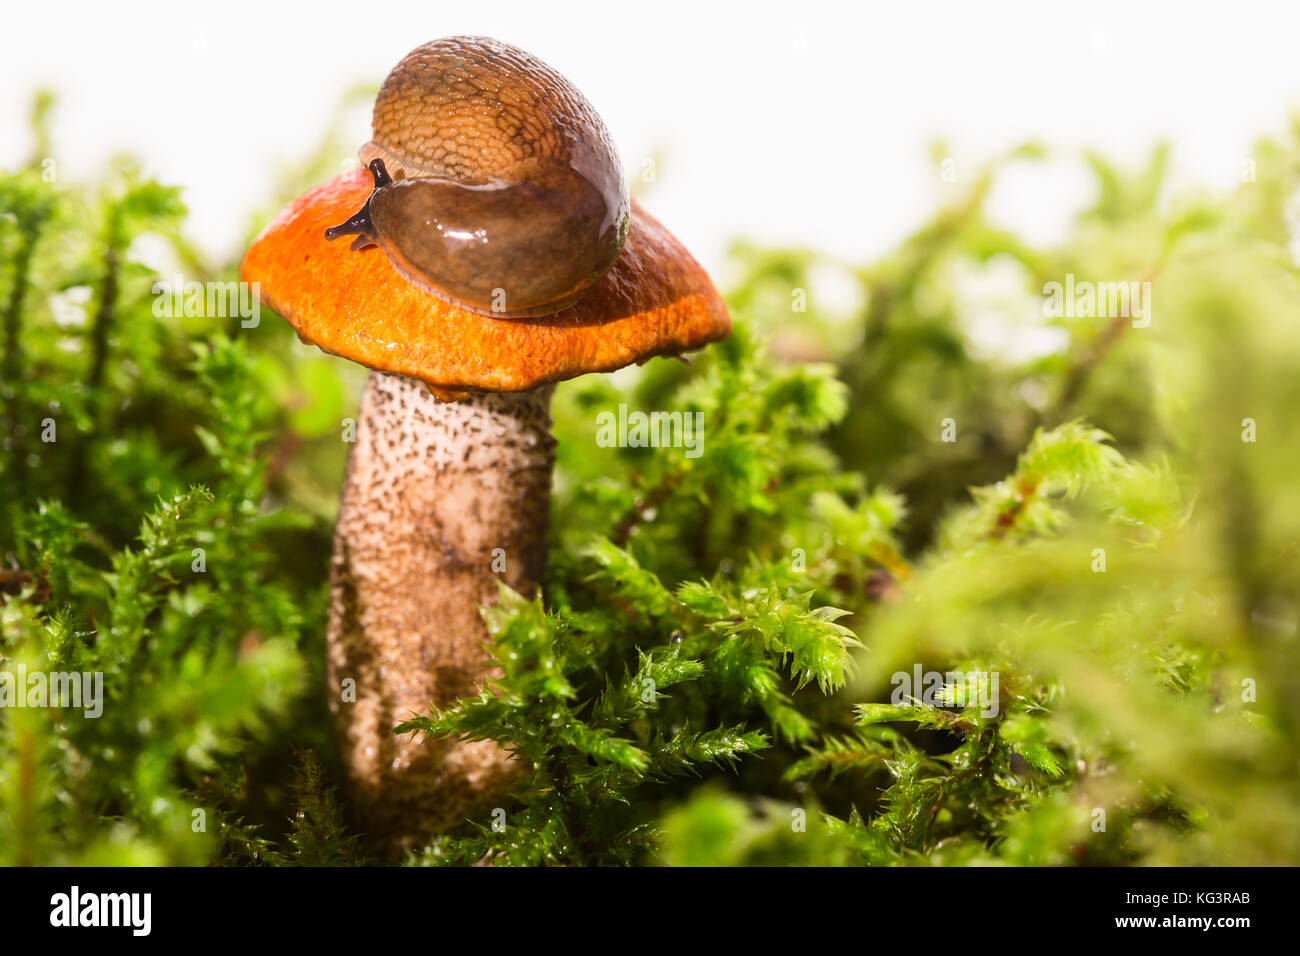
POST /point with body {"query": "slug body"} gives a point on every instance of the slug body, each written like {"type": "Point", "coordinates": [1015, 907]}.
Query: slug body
{"type": "Point", "coordinates": [497, 186]}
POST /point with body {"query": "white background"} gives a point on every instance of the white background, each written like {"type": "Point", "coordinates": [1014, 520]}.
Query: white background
{"type": "Point", "coordinates": [796, 122]}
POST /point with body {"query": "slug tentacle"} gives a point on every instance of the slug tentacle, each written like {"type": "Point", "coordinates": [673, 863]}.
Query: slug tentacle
{"type": "Point", "coordinates": [359, 224]}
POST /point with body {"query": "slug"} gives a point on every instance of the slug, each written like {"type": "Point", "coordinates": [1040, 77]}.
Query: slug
{"type": "Point", "coordinates": [496, 185]}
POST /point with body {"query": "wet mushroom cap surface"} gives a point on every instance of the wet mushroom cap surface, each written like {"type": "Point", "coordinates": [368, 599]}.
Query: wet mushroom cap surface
{"type": "Point", "coordinates": [654, 300]}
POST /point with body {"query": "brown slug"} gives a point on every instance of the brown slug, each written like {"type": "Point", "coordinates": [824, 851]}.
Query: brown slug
{"type": "Point", "coordinates": [496, 185]}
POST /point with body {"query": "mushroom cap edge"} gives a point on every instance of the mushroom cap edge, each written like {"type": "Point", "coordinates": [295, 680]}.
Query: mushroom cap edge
{"type": "Point", "coordinates": [655, 300]}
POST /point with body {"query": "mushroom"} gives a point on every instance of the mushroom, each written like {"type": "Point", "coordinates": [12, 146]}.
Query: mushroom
{"type": "Point", "coordinates": [448, 482]}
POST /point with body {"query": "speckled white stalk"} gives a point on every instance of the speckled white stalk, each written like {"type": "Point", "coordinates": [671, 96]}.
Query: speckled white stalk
{"type": "Point", "coordinates": [432, 489]}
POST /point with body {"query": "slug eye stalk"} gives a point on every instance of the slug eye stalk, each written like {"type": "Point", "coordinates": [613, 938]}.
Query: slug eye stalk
{"type": "Point", "coordinates": [359, 224]}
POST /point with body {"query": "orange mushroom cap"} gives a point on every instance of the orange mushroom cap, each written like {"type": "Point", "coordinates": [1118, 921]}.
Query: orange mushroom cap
{"type": "Point", "coordinates": [654, 300]}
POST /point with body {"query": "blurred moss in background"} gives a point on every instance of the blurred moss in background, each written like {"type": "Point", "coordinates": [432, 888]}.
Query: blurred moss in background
{"type": "Point", "coordinates": [936, 478]}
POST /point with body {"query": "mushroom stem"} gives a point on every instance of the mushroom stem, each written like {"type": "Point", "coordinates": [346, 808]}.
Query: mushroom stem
{"type": "Point", "coordinates": [433, 489]}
